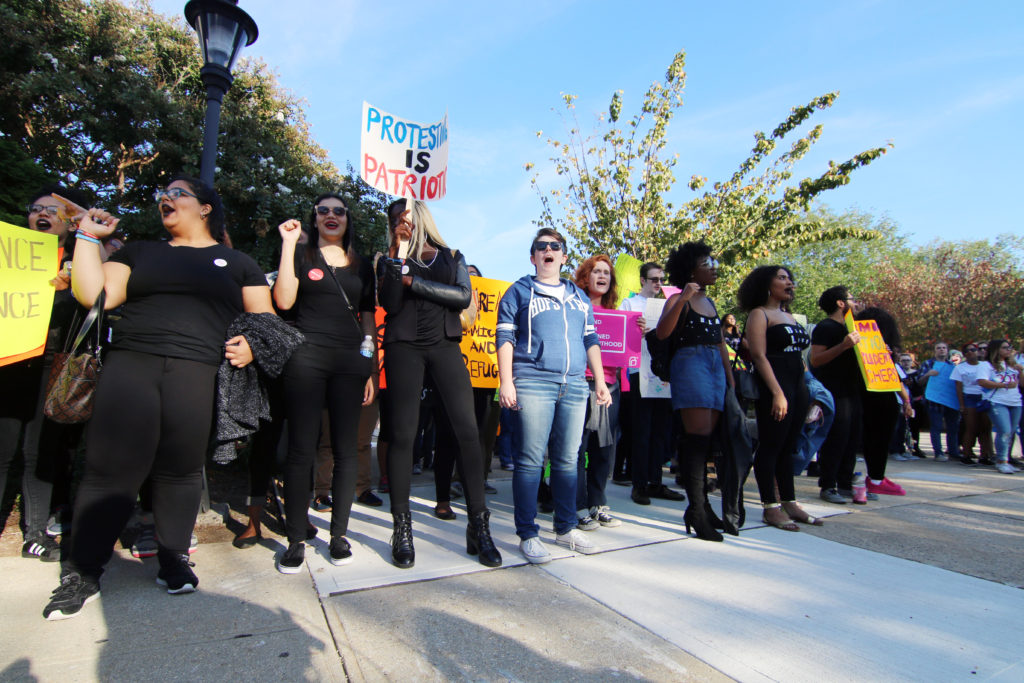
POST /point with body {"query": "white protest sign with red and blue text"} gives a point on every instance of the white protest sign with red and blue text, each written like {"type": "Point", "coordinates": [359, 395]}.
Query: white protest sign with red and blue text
{"type": "Point", "coordinates": [403, 158]}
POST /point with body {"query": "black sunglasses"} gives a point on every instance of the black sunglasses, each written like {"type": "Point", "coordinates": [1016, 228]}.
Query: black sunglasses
{"type": "Point", "coordinates": [655, 280]}
{"type": "Point", "coordinates": [544, 246]}
{"type": "Point", "coordinates": [336, 210]}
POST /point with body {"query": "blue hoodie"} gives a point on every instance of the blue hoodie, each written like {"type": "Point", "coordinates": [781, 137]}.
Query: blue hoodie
{"type": "Point", "coordinates": [550, 337]}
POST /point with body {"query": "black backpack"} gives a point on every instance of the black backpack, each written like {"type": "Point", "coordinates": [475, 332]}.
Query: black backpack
{"type": "Point", "coordinates": [661, 351]}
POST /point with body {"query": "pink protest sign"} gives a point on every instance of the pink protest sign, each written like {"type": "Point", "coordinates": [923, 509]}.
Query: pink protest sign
{"type": "Point", "coordinates": [620, 337]}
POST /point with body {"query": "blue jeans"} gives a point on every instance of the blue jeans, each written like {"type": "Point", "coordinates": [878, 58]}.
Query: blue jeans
{"type": "Point", "coordinates": [936, 413]}
{"type": "Point", "coordinates": [549, 421]}
{"type": "Point", "coordinates": [814, 434]}
{"type": "Point", "coordinates": [1004, 420]}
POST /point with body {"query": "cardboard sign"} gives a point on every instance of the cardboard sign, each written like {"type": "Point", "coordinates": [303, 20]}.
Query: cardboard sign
{"type": "Point", "coordinates": [874, 360]}
{"type": "Point", "coordinates": [479, 350]}
{"type": "Point", "coordinates": [651, 385]}
{"type": "Point", "coordinates": [404, 158]}
{"type": "Point", "coordinates": [28, 261]}
{"type": "Point", "coordinates": [620, 338]}
{"type": "Point", "coordinates": [941, 389]}
{"type": "Point", "coordinates": [379, 314]}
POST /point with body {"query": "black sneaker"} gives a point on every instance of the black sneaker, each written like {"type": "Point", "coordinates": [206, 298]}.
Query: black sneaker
{"type": "Point", "coordinates": [367, 498]}
{"type": "Point", "coordinates": [41, 547]}
{"type": "Point", "coordinates": [71, 596]}
{"type": "Point", "coordinates": [291, 560]}
{"type": "Point", "coordinates": [176, 574]}
{"type": "Point", "coordinates": [341, 551]}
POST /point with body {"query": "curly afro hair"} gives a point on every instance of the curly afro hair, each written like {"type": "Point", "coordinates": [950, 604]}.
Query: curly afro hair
{"type": "Point", "coordinates": [753, 291]}
{"type": "Point", "coordinates": [684, 260]}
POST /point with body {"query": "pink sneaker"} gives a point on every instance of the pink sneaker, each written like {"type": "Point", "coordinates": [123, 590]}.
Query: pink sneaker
{"type": "Point", "coordinates": [888, 488]}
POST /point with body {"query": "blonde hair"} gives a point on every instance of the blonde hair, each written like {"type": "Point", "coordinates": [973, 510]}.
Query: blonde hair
{"type": "Point", "coordinates": [424, 229]}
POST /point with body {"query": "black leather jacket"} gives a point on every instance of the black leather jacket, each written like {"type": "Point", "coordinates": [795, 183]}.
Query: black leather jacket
{"type": "Point", "coordinates": [400, 324]}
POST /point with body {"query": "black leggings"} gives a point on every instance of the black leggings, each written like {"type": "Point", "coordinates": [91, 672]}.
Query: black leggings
{"type": "Point", "coordinates": [881, 413]}
{"type": "Point", "coordinates": [446, 445]}
{"type": "Point", "coordinates": [405, 366]}
{"type": "Point", "coordinates": [776, 439]}
{"type": "Point", "coordinates": [316, 375]}
{"type": "Point", "coordinates": [263, 456]}
{"type": "Point", "coordinates": [151, 417]}
{"type": "Point", "coordinates": [838, 455]}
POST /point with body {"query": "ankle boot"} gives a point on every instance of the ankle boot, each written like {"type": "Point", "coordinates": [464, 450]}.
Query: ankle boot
{"type": "Point", "coordinates": [402, 553]}
{"type": "Point", "coordinates": [478, 539]}
{"type": "Point", "coordinates": [693, 469]}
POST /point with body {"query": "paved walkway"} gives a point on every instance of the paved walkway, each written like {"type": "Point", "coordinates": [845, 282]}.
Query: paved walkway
{"type": "Point", "coordinates": [922, 587]}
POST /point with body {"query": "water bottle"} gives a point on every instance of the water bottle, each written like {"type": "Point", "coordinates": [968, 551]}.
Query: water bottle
{"type": "Point", "coordinates": [860, 489]}
{"type": "Point", "coordinates": [366, 348]}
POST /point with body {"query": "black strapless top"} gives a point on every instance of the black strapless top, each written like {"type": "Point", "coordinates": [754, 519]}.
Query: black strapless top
{"type": "Point", "coordinates": [786, 338]}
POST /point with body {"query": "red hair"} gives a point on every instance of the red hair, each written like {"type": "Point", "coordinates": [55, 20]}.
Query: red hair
{"type": "Point", "coordinates": [583, 279]}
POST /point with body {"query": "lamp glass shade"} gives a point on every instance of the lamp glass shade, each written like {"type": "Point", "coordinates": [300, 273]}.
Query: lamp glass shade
{"type": "Point", "coordinates": [221, 37]}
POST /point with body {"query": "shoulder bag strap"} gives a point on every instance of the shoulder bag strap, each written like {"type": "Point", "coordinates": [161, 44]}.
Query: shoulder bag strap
{"type": "Point", "coordinates": [95, 316]}
{"type": "Point", "coordinates": [348, 304]}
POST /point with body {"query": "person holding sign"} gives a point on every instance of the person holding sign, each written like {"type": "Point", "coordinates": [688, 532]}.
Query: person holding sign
{"type": "Point", "coordinates": [424, 286]}
{"type": "Point", "coordinates": [776, 342]}
{"type": "Point", "coordinates": [834, 363]}
{"type": "Point", "coordinates": [1003, 376]}
{"type": "Point", "coordinates": [154, 403]}
{"type": "Point", "coordinates": [700, 371]}
{"type": "Point", "coordinates": [24, 384]}
{"type": "Point", "coordinates": [596, 277]}
{"type": "Point", "coordinates": [331, 290]}
{"type": "Point", "coordinates": [546, 339]}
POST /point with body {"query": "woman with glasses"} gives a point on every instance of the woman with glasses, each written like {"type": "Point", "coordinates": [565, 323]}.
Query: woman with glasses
{"type": "Point", "coordinates": [154, 402]}
{"type": "Point", "coordinates": [700, 371]}
{"type": "Point", "coordinates": [1002, 375]}
{"type": "Point", "coordinates": [977, 424]}
{"type": "Point", "coordinates": [330, 289]}
{"type": "Point", "coordinates": [731, 332]}
{"type": "Point", "coordinates": [423, 294]}
{"type": "Point", "coordinates": [546, 340]}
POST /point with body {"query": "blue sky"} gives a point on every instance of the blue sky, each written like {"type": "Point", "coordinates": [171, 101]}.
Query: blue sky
{"type": "Point", "coordinates": [943, 81]}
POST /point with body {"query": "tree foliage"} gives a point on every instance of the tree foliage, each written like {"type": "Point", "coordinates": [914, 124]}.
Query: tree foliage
{"type": "Point", "coordinates": [108, 98]}
{"type": "Point", "coordinates": [617, 182]}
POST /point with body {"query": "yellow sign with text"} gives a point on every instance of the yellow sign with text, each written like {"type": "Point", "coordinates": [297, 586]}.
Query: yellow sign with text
{"type": "Point", "coordinates": [873, 358]}
{"type": "Point", "coordinates": [28, 261]}
{"type": "Point", "coordinates": [479, 347]}
{"type": "Point", "coordinates": [627, 276]}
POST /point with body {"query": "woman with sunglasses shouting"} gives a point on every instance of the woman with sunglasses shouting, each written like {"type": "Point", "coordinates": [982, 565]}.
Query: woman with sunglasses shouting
{"type": "Point", "coordinates": [154, 402]}
{"type": "Point", "coordinates": [331, 291]}
{"type": "Point", "coordinates": [424, 286]}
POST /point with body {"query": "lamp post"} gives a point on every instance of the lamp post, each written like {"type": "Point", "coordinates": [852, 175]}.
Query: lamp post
{"type": "Point", "coordinates": [224, 29]}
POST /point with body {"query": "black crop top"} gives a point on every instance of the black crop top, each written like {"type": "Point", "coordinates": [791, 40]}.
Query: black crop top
{"type": "Point", "coordinates": [697, 330]}
{"type": "Point", "coordinates": [785, 338]}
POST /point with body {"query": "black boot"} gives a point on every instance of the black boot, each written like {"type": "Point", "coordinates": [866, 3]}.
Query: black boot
{"type": "Point", "coordinates": [692, 463]}
{"type": "Point", "coordinates": [402, 553]}
{"type": "Point", "coordinates": [478, 539]}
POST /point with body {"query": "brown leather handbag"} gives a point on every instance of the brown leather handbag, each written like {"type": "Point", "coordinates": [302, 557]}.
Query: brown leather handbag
{"type": "Point", "coordinates": [73, 376]}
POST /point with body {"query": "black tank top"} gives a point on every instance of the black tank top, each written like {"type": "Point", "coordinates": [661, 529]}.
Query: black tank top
{"type": "Point", "coordinates": [698, 330]}
{"type": "Point", "coordinates": [785, 338]}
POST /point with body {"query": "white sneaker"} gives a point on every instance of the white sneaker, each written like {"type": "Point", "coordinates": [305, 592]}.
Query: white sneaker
{"type": "Point", "coordinates": [534, 551]}
{"type": "Point", "coordinates": [578, 541]}
{"type": "Point", "coordinates": [1005, 468]}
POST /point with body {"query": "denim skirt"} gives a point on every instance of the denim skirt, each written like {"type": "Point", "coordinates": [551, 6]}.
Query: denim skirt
{"type": "Point", "coordinates": [698, 378]}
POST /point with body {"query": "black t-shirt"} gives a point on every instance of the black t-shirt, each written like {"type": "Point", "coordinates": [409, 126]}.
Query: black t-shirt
{"type": "Point", "coordinates": [841, 375]}
{"type": "Point", "coordinates": [321, 313]}
{"type": "Point", "coordinates": [430, 315]}
{"type": "Point", "coordinates": [182, 299]}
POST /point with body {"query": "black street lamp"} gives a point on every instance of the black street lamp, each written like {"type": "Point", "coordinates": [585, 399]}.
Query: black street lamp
{"type": "Point", "coordinates": [224, 29]}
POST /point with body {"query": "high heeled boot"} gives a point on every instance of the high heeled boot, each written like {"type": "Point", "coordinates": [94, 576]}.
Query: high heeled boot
{"type": "Point", "coordinates": [478, 539]}
{"type": "Point", "coordinates": [695, 449]}
{"type": "Point", "coordinates": [403, 555]}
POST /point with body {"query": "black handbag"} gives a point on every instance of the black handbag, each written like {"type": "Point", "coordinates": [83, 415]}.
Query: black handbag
{"type": "Point", "coordinates": [661, 351]}
{"type": "Point", "coordinates": [743, 375]}
{"type": "Point", "coordinates": [73, 376]}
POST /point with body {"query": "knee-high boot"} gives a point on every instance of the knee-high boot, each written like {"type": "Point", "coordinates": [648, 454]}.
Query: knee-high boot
{"type": "Point", "coordinates": [695, 451]}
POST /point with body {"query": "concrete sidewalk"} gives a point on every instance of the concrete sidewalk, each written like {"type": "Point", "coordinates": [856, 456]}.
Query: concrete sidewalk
{"type": "Point", "coordinates": [906, 588]}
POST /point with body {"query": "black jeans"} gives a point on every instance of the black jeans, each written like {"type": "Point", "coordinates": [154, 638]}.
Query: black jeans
{"type": "Point", "coordinates": [776, 439]}
{"type": "Point", "coordinates": [881, 413]}
{"type": "Point", "coordinates": [838, 455]}
{"type": "Point", "coordinates": [652, 433]}
{"type": "Point", "coordinates": [316, 376]}
{"type": "Point", "coordinates": [405, 366]}
{"type": "Point", "coordinates": [592, 469]}
{"type": "Point", "coordinates": [151, 416]}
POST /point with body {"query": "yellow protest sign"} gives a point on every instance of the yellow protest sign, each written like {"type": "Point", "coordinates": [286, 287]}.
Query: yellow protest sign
{"type": "Point", "coordinates": [627, 276]}
{"type": "Point", "coordinates": [873, 358]}
{"type": "Point", "coordinates": [28, 261]}
{"type": "Point", "coordinates": [479, 350]}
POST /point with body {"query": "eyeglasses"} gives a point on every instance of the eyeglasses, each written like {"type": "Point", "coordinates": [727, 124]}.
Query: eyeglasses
{"type": "Point", "coordinates": [545, 246]}
{"type": "Point", "coordinates": [172, 193]}
{"type": "Point", "coordinates": [971, 348]}
{"type": "Point", "coordinates": [655, 280]}
{"type": "Point", "coordinates": [336, 210]}
{"type": "Point", "coordinates": [709, 263]}
{"type": "Point", "coordinates": [39, 208]}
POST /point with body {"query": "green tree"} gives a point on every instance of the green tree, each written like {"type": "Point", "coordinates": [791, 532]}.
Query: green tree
{"type": "Point", "coordinates": [19, 178]}
{"type": "Point", "coordinates": [617, 184]}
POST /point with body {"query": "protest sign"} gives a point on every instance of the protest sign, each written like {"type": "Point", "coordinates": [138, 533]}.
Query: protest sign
{"type": "Point", "coordinates": [941, 389]}
{"type": "Point", "coordinates": [404, 158]}
{"type": "Point", "coordinates": [479, 350]}
{"type": "Point", "coordinates": [651, 385]}
{"type": "Point", "coordinates": [28, 261]}
{"type": "Point", "coordinates": [874, 360]}
{"type": "Point", "coordinates": [627, 276]}
{"type": "Point", "coordinates": [620, 338]}
{"type": "Point", "coordinates": [378, 319]}
{"type": "Point", "coordinates": [669, 290]}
